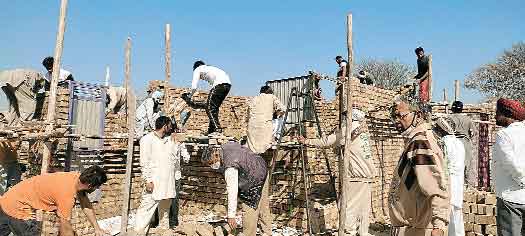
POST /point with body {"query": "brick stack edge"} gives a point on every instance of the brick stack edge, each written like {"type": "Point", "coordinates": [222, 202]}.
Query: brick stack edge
{"type": "Point", "coordinates": [205, 188]}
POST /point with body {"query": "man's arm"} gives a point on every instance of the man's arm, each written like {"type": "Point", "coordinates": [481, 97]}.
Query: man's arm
{"type": "Point", "coordinates": [278, 106]}
{"type": "Point", "coordinates": [145, 160]}
{"type": "Point", "coordinates": [231, 176]}
{"type": "Point", "coordinates": [87, 208]}
{"type": "Point", "coordinates": [326, 141]}
{"type": "Point", "coordinates": [195, 80]}
{"type": "Point", "coordinates": [504, 153]}
{"type": "Point", "coordinates": [150, 113]}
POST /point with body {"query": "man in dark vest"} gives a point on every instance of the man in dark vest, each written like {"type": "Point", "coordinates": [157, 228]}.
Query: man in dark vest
{"type": "Point", "coordinates": [245, 173]}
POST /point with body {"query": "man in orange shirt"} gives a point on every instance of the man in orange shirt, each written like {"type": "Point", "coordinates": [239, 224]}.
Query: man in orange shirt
{"type": "Point", "coordinates": [49, 192]}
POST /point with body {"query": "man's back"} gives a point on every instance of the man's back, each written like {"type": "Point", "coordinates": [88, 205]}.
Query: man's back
{"type": "Point", "coordinates": [463, 124]}
{"type": "Point", "coordinates": [509, 163]}
{"type": "Point", "coordinates": [48, 192]}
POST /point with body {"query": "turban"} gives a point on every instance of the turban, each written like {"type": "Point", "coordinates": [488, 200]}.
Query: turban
{"type": "Point", "coordinates": [511, 109]}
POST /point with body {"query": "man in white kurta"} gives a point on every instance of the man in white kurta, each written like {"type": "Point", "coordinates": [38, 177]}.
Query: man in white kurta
{"type": "Point", "coordinates": [260, 113]}
{"type": "Point", "coordinates": [146, 114]}
{"type": "Point", "coordinates": [159, 161]}
{"type": "Point", "coordinates": [454, 152]}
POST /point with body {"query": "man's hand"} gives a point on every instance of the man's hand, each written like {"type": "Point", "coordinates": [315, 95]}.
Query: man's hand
{"type": "Point", "coordinates": [300, 139]}
{"type": "Point", "coordinates": [437, 232]}
{"type": "Point", "coordinates": [232, 222]}
{"type": "Point", "coordinates": [149, 187]}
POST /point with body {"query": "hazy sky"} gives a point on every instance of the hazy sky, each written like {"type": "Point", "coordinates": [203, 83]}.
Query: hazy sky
{"type": "Point", "coordinates": [256, 41]}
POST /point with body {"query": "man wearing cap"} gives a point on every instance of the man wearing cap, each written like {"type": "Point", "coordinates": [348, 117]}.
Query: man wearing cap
{"type": "Point", "coordinates": [360, 173]}
{"type": "Point", "coordinates": [245, 173]}
{"type": "Point", "coordinates": [419, 193]}
{"type": "Point", "coordinates": [509, 167]}
{"type": "Point", "coordinates": [464, 128]}
{"type": "Point", "coordinates": [146, 114]}
{"type": "Point", "coordinates": [454, 153]}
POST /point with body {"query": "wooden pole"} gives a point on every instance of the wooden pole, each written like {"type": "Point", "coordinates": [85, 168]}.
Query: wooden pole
{"type": "Point", "coordinates": [106, 81]}
{"type": "Point", "coordinates": [51, 107]}
{"type": "Point", "coordinates": [126, 191]}
{"type": "Point", "coordinates": [456, 90]}
{"type": "Point", "coordinates": [344, 161]}
{"type": "Point", "coordinates": [168, 66]}
{"type": "Point", "coordinates": [429, 78]}
{"type": "Point", "coordinates": [445, 100]}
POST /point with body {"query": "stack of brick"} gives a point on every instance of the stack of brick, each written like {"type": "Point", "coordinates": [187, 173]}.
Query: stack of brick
{"type": "Point", "coordinates": [479, 210]}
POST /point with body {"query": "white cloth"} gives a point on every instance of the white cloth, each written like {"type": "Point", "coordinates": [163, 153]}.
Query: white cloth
{"type": "Point", "coordinates": [117, 96]}
{"type": "Point", "coordinates": [454, 152]}
{"type": "Point", "coordinates": [231, 175]}
{"type": "Point", "coordinates": [260, 128]}
{"type": "Point", "coordinates": [145, 212]}
{"type": "Point", "coordinates": [145, 117]}
{"type": "Point", "coordinates": [509, 163]}
{"type": "Point", "coordinates": [211, 74]}
{"type": "Point", "coordinates": [182, 152]}
{"type": "Point", "coordinates": [159, 162]}
{"type": "Point", "coordinates": [456, 226]}
{"type": "Point", "coordinates": [61, 77]}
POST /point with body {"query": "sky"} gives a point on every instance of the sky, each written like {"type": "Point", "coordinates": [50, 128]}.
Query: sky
{"type": "Point", "coordinates": [257, 41]}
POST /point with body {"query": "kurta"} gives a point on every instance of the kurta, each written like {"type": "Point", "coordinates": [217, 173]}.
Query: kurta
{"type": "Point", "coordinates": [455, 155]}
{"type": "Point", "coordinates": [145, 117]}
{"type": "Point", "coordinates": [160, 162]}
{"type": "Point", "coordinates": [260, 127]}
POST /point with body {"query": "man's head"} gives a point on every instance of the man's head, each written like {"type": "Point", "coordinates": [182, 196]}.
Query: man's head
{"type": "Point", "coordinates": [197, 64]}
{"type": "Point", "coordinates": [163, 125]}
{"type": "Point", "coordinates": [48, 64]}
{"type": "Point", "coordinates": [266, 89]}
{"type": "Point", "coordinates": [509, 111]}
{"type": "Point", "coordinates": [91, 178]}
{"type": "Point", "coordinates": [457, 107]}
{"type": "Point", "coordinates": [212, 156]}
{"type": "Point", "coordinates": [404, 114]}
{"type": "Point", "coordinates": [420, 52]}
{"type": "Point", "coordinates": [338, 59]}
{"type": "Point", "coordinates": [157, 96]}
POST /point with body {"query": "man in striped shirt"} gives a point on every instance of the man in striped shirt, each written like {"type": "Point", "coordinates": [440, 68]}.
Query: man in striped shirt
{"type": "Point", "coordinates": [419, 192]}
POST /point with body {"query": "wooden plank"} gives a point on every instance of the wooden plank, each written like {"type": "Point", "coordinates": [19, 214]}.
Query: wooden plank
{"type": "Point", "coordinates": [126, 191]}
{"type": "Point", "coordinates": [51, 106]}
{"type": "Point", "coordinates": [345, 163]}
{"type": "Point", "coordinates": [167, 38]}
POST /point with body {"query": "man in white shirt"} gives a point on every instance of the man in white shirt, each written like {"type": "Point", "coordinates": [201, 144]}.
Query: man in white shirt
{"type": "Point", "coordinates": [160, 164]}
{"type": "Point", "coordinates": [62, 77]}
{"type": "Point", "coordinates": [220, 83]}
{"type": "Point", "coordinates": [454, 153]}
{"type": "Point", "coordinates": [509, 167]}
{"type": "Point", "coordinates": [147, 113]}
{"type": "Point", "coordinates": [246, 174]}
{"type": "Point", "coordinates": [260, 112]}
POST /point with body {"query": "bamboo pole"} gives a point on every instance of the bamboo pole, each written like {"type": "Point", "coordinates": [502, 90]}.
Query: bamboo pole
{"type": "Point", "coordinates": [167, 39]}
{"type": "Point", "coordinates": [126, 191]}
{"type": "Point", "coordinates": [106, 81]}
{"type": "Point", "coordinates": [430, 78]}
{"type": "Point", "coordinates": [344, 165]}
{"type": "Point", "coordinates": [51, 107]}
{"type": "Point", "coordinates": [456, 90]}
{"type": "Point", "coordinates": [445, 100]}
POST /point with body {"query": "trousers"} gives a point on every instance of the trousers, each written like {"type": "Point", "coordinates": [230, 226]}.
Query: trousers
{"type": "Point", "coordinates": [510, 218]}
{"type": "Point", "coordinates": [145, 213]}
{"type": "Point", "coordinates": [456, 226]}
{"type": "Point", "coordinates": [261, 215]}
{"type": "Point", "coordinates": [213, 104]}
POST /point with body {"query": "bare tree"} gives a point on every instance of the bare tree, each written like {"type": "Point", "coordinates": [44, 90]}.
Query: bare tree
{"type": "Point", "coordinates": [388, 74]}
{"type": "Point", "coordinates": [503, 78]}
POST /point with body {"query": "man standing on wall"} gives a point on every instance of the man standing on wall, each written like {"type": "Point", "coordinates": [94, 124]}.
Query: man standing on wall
{"type": "Point", "coordinates": [422, 75]}
{"type": "Point", "coordinates": [464, 129]}
{"type": "Point", "coordinates": [42, 192]}
{"type": "Point", "coordinates": [221, 84]}
{"type": "Point", "coordinates": [342, 72]}
{"type": "Point", "coordinates": [158, 161]}
{"type": "Point", "coordinates": [360, 173]}
{"type": "Point", "coordinates": [509, 167]}
{"type": "Point", "coordinates": [419, 196]}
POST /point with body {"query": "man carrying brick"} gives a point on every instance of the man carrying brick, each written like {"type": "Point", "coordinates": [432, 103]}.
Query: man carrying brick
{"type": "Point", "coordinates": [422, 75]}
{"type": "Point", "coordinates": [245, 174]}
{"type": "Point", "coordinates": [509, 167]}
{"type": "Point", "coordinates": [419, 198]}
{"type": "Point", "coordinates": [50, 192]}
{"type": "Point", "coordinates": [464, 129]}
{"type": "Point", "coordinates": [360, 173]}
